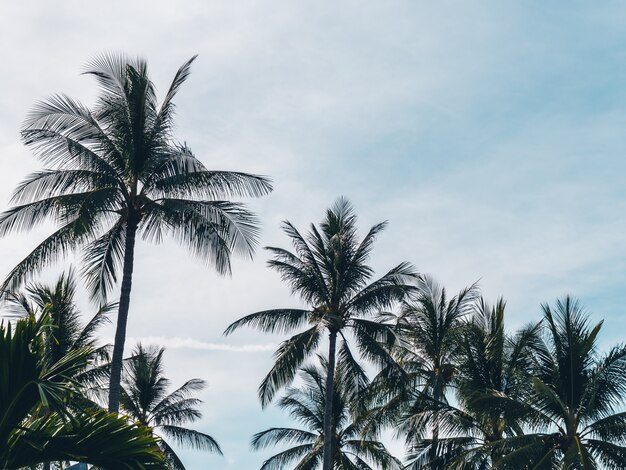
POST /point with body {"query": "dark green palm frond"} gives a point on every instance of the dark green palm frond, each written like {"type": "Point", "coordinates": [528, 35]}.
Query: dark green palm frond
{"type": "Point", "coordinates": [306, 405]}
{"type": "Point", "coordinates": [288, 358]}
{"type": "Point", "coordinates": [177, 413]}
{"type": "Point", "coordinates": [610, 456]}
{"type": "Point", "coordinates": [101, 439]}
{"type": "Point", "coordinates": [167, 107]}
{"type": "Point", "coordinates": [191, 438]}
{"type": "Point", "coordinates": [56, 246]}
{"type": "Point", "coordinates": [384, 292]}
{"type": "Point", "coordinates": [144, 382]}
{"type": "Point", "coordinates": [181, 393]}
{"type": "Point", "coordinates": [87, 336]}
{"type": "Point", "coordinates": [55, 183]}
{"type": "Point", "coordinates": [272, 321]}
{"type": "Point", "coordinates": [352, 373]}
{"type": "Point", "coordinates": [210, 229]}
{"type": "Point", "coordinates": [278, 436]}
{"type": "Point", "coordinates": [309, 455]}
{"type": "Point", "coordinates": [172, 458]}
{"type": "Point", "coordinates": [175, 180]}
{"type": "Point", "coordinates": [64, 208]}
{"type": "Point", "coordinates": [374, 340]}
{"type": "Point", "coordinates": [606, 386]}
{"type": "Point", "coordinates": [610, 428]}
{"type": "Point", "coordinates": [103, 259]}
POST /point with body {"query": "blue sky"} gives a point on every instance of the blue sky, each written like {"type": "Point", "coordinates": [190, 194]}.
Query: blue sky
{"type": "Point", "coordinates": [489, 134]}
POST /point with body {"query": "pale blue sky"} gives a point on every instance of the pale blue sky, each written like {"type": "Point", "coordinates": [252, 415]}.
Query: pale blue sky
{"type": "Point", "coordinates": [489, 134]}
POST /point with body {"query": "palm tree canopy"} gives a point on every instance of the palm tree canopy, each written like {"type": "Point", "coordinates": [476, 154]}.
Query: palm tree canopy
{"type": "Point", "coordinates": [146, 399]}
{"type": "Point", "coordinates": [306, 405]}
{"type": "Point", "coordinates": [67, 331]}
{"type": "Point", "coordinates": [577, 398]}
{"type": "Point", "coordinates": [29, 382]}
{"type": "Point", "coordinates": [118, 165]}
{"type": "Point", "coordinates": [328, 270]}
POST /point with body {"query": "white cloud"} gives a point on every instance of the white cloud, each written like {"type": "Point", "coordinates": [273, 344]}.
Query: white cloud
{"type": "Point", "coordinates": [194, 344]}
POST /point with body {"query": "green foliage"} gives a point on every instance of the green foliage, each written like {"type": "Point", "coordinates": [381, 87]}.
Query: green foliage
{"type": "Point", "coordinates": [67, 332]}
{"type": "Point", "coordinates": [30, 383]}
{"type": "Point", "coordinates": [306, 405]}
{"type": "Point", "coordinates": [329, 272]}
{"type": "Point", "coordinates": [577, 398]}
{"type": "Point", "coordinates": [118, 164]}
{"type": "Point", "coordinates": [145, 399]}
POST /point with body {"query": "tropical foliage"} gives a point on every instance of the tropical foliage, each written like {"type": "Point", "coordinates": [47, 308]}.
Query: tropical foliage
{"type": "Point", "coordinates": [29, 382]}
{"type": "Point", "coordinates": [577, 398]}
{"type": "Point", "coordinates": [329, 272]}
{"type": "Point", "coordinates": [146, 400]}
{"type": "Point", "coordinates": [115, 172]}
{"type": "Point", "coordinates": [306, 405]}
{"type": "Point", "coordinates": [67, 332]}
{"type": "Point", "coordinates": [403, 355]}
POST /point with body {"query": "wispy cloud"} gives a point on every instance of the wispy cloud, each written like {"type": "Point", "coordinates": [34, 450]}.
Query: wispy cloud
{"type": "Point", "coordinates": [190, 343]}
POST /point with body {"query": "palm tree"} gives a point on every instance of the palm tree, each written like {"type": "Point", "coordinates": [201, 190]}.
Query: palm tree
{"type": "Point", "coordinates": [115, 172]}
{"type": "Point", "coordinates": [577, 399]}
{"type": "Point", "coordinates": [145, 399]}
{"type": "Point", "coordinates": [329, 272]}
{"type": "Point", "coordinates": [351, 450]}
{"type": "Point", "coordinates": [430, 326]}
{"type": "Point", "coordinates": [28, 382]}
{"type": "Point", "coordinates": [67, 332]}
{"type": "Point", "coordinates": [490, 364]}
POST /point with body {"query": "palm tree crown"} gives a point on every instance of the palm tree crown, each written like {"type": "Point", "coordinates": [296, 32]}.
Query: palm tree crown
{"type": "Point", "coordinates": [115, 172]}
{"type": "Point", "coordinates": [351, 450]}
{"type": "Point", "coordinates": [429, 323]}
{"type": "Point", "coordinates": [145, 399]}
{"type": "Point", "coordinates": [67, 332]}
{"type": "Point", "coordinates": [30, 383]}
{"type": "Point", "coordinates": [577, 399]}
{"type": "Point", "coordinates": [329, 272]}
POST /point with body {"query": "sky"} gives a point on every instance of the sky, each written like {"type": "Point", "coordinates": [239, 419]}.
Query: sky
{"type": "Point", "coordinates": [490, 134]}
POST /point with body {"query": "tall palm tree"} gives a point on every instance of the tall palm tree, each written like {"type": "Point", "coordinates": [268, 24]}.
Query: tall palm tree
{"type": "Point", "coordinates": [577, 400]}
{"type": "Point", "coordinates": [115, 172]}
{"type": "Point", "coordinates": [29, 382]}
{"type": "Point", "coordinates": [145, 399]}
{"type": "Point", "coordinates": [329, 272]}
{"type": "Point", "coordinates": [351, 450]}
{"type": "Point", "coordinates": [430, 323]}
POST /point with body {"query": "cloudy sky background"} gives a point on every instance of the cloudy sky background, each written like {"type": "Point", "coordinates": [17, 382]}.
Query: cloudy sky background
{"type": "Point", "coordinates": [489, 134]}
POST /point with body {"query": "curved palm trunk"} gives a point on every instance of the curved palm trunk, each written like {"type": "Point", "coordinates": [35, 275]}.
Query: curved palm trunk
{"type": "Point", "coordinates": [328, 411]}
{"type": "Point", "coordinates": [122, 316]}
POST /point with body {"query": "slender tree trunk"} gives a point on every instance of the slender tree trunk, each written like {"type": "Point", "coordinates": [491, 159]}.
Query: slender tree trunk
{"type": "Point", "coordinates": [122, 315]}
{"type": "Point", "coordinates": [329, 426]}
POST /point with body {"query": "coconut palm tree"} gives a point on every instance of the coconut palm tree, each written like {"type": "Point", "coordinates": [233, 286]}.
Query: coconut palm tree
{"type": "Point", "coordinates": [329, 272]}
{"type": "Point", "coordinates": [577, 400]}
{"type": "Point", "coordinates": [114, 173]}
{"type": "Point", "coordinates": [307, 404]}
{"type": "Point", "coordinates": [145, 400]}
{"type": "Point", "coordinates": [28, 383]}
{"type": "Point", "coordinates": [430, 324]}
{"type": "Point", "coordinates": [490, 364]}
